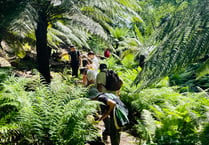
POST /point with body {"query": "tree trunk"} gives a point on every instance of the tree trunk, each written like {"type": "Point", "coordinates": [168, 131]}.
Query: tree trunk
{"type": "Point", "coordinates": [43, 54]}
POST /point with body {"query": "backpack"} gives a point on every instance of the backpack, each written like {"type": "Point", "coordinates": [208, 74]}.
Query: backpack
{"type": "Point", "coordinates": [113, 82]}
{"type": "Point", "coordinates": [120, 112]}
{"type": "Point", "coordinates": [107, 53]}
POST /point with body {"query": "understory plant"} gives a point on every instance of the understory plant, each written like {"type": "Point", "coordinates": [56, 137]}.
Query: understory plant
{"type": "Point", "coordinates": [168, 117]}
{"type": "Point", "coordinates": [161, 114]}
{"type": "Point", "coordinates": [47, 115]}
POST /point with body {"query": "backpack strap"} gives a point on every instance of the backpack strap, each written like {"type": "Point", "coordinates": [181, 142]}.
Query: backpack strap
{"type": "Point", "coordinates": [112, 97]}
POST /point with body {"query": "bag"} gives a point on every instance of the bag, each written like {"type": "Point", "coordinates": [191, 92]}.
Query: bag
{"type": "Point", "coordinates": [107, 53]}
{"type": "Point", "coordinates": [120, 115]}
{"type": "Point", "coordinates": [113, 82]}
{"type": "Point", "coordinates": [120, 112]}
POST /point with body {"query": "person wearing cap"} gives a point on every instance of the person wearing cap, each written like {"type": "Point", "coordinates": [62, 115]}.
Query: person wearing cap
{"type": "Point", "coordinates": [101, 80]}
{"type": "Point", "coordinates": [75, 60]}
{"type": "Point", "coordinates": [107, 114]}
{"type": "Point", "coordinates": [100, 84]}
{"type": "Point", "coordinates": [94, 60]}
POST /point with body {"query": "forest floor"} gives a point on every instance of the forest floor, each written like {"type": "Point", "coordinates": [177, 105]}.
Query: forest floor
{"type": "Point", "coordinates": [125, 138]}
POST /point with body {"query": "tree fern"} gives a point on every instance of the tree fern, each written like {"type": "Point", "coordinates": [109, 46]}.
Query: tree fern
{"type": "Point", "coordinates": [45, 12]}
{"type": "Point", "coordinates": [184, 40]}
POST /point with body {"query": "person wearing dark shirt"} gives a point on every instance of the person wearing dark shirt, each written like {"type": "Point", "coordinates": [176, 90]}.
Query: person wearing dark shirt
{"type": "Point", "coordinates": [75, 60]}
{"type": "Point", "coordinates": [107, 112]}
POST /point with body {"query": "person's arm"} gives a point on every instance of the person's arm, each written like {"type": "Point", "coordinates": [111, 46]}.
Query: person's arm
{"type": "Point", "coordinates": [111, 105]}
{"type": "Point", "coordinates": [84, 80]}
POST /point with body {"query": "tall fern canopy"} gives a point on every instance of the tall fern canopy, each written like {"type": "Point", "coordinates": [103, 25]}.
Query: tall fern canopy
{"type": "Point", "coordinates": [183, 39]}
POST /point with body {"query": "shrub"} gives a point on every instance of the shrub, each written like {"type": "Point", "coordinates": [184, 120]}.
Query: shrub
{"type": "Point", "coordinates": [56, 114]}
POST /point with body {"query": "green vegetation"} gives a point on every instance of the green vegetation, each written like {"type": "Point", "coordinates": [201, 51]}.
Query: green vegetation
{"type": "Point", "coordinates": [158, 47]}
{"type": "Point", "coordinates": [35, 114]}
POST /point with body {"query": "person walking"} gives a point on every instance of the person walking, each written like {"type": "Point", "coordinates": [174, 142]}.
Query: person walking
{"type": "Point", "coordinates": [75, 60]}
{"type": "Point", "coordinates": [89, 75]}
{"type": "Point", "coordinates": [101, 80]}
{"type": "Point", "coordinates": [107, 112]}
{"type": "Point", "coordinates": [100, 84]}
{"type": "Point", "coordinates": [94, 60]}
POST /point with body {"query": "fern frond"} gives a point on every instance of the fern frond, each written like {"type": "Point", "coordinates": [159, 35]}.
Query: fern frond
{"type": "Point", "coordinates": [9, 133]}
{"type": "Point", "coordinates": [204, 69]}
{"type": "Point", "coordinates": [89, 24]}
{"type": "Point", "coordinates": [186, 41]}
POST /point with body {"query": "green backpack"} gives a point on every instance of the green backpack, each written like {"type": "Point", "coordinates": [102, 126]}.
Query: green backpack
{"type": "Point", "coordinates": [120, 112]}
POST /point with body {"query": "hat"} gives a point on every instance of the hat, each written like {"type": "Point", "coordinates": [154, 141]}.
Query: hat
{"type": "Point", "coordinates": [93, 93]}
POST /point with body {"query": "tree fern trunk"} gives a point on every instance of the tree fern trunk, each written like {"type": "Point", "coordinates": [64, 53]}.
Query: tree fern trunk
{"type": "Point", "coordinates": [41, 47]}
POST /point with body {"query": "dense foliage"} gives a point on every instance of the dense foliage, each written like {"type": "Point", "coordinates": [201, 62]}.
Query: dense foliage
{"type": "Point", "coordinates": [161, 114]}
{"type": "Point", "coordinates": [182, 40]}
{"type": "Point", "coordinates": [34, 114]}
{"type": "Point", "coordinates": [162, 60]}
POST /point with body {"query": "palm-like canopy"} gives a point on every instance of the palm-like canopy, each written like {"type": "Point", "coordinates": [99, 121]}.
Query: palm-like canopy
{"type": "Point", "coordinates": [184, 39]}
{"type": "Point", "coordinates": [68, 21]}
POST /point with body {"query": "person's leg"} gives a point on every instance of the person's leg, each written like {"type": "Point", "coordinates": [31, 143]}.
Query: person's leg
{"type": "Point", "coordinates": [106, 121]}
{"type": "Point", "coordinates": [106, 132]}
{"type": "Point", "coordinates": [75, 70]}
{"type": "Point", "coordinates": [114, 133]}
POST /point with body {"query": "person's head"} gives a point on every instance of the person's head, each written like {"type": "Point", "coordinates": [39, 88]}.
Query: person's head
{"type": "Point", "coordinates": [93, 93]}
{"type": "Point", "coordinates": [72, 48]}
{"type": "Point", "coordinates": [102, 66]}
{"type": "Point", "coordinates": [91, 54]}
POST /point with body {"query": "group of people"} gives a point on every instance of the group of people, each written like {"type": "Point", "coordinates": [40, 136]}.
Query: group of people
{"type": "Point", "coordinates": [89, 68]}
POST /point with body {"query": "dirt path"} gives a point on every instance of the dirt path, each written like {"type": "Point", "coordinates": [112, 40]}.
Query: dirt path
{"type": "Point", "coordinates": [125, 139]}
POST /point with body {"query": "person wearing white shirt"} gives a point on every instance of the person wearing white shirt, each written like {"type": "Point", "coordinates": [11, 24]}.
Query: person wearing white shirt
{"type": "Point", "coordinates": [94, 60]}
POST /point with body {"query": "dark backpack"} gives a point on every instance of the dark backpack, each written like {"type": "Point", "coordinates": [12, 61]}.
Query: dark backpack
{"type": "Point", "coordinates": [113, 82]}
{"type": "Point", "coordinates": [120, 112]}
